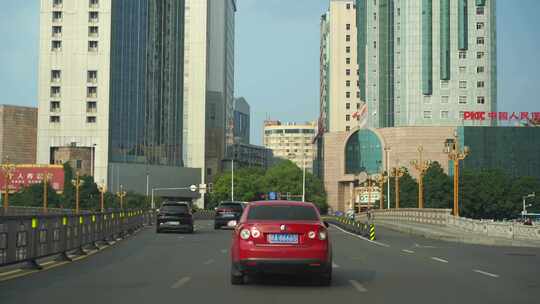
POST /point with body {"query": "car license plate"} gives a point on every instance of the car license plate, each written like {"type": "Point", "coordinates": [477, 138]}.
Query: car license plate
{"type": "Point", "coordinates": [228, 215]}
{"type": "Point", "coordinates": [282, 238]}
{"type": "Point", "coordinates": [173, 223]}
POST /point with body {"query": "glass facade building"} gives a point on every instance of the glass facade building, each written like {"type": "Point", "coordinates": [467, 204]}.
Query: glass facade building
{"type": "Point", "coordinates": [363, 153]}
{"type": "Point", "coordinates": [146, 102]}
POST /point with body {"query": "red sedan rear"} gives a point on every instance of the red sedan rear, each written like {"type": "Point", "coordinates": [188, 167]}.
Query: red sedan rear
{"type": "Point", "coordinates": [281, 237]}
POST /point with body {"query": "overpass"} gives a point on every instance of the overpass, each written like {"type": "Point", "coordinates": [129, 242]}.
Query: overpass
{"type": "Point", "coordinates": [136, 265]}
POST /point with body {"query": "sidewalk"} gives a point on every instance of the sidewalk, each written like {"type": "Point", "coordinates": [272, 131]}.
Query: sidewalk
{"type": "Point", "coordinates": [453, 235]}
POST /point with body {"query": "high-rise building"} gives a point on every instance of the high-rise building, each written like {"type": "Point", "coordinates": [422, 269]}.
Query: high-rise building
{"type": "Point", "coordinates": [18, 127]}
{"type": "Point", "coordinates": [127, 85]}
{"type": "Point", "coordinates": [291, 141]}
{"type": "Point", "coordinates": [425, 62]}
{"type": "Point", "coordinates": [339, 90]}
{"type": "Point", "coordinates": [241, 120]}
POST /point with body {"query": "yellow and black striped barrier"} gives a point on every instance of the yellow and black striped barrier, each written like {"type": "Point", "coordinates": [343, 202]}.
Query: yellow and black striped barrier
{"type": "Point", "coordinates": [372, 232]}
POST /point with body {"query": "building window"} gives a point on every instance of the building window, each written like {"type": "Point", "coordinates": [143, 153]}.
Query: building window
{"type": "Point", "coordinates": [54, 119]}
{"type": "Point", "coordinates": [348, 26]}
{"type": "Point", "coordinates": [91, 107]}
{"type": "Point", "coordinates": [462, 55]}
{"type": "Point", "coordinates": [461, 114]}
{"type": "Point", "coordinates": [374, 16]}
{"type": "Point", "coordinates": [480, 25]}
{"type": "Point", "coordinates": [92, 46]}
{"type": "Point", "coordinates": [57, 17]}
{"type": "Point", "coordinates": [57, 4]}
{"type": "Point", "coordinates": [444, 84]}
{"type": "Point", "coordinates": [55, 92]}
{"type": "Point", "coordinates": [462, 99]}
{"type": "Point", "coordinates": [357, 94]}
{"type": "Point", "coordinates": [347, 49]}
{"type": "Point", "coordinates": [91, 119]}
{"type": "Point", "coordinates": [462, 69]}
{"type": "Point", "coordinates": [92, 76]}
{"type": "Point", "coordinates": [479, 10]}
{"type": "Point", "coordinates": [93, 31]}
{"type": "Point", "coordinates": [347, 117]}
{"type": "Point", "coordinates": [480, 100]}
{"type": "Point", "coordinates": [347, 128]}
{"type": "Point", "coordinates": [56, 46]}
{"type": "Point", "coordinates": [348, 5]}
{"type": "Point", "coordinates": [347, 106]}
{"type": "Point", "coordinates": [55, 106]}
{"type": "Point", "coordinates": [480, 55]}
{"type": "Point", "coordinates": [94, 3]}
{"type": "Point", "coordinates": [444, 114]}
{"type": "Point", "coordinates": [348, 72]}
{"type": "Point", "coordinates": [357, 106]}
{"type": "Point", "coordinates": [78, 164]}
{"type": "Point", "coordinates": [348, 38]}
{"type": "Point", "coordinates": [348, 94]}
{"type": "Point", "coordinates": [480, 69]}
{"type": "Point", "coordinates": [56, 76]}
{"type": "Point", "coordinates": [348, 60]}
{"type": "Point", "coordinates": [445, 99]}
{"type": "Point", "coordinates": [348, 83]}
{"type": "Point", "coordinates": [57, 31]}
{"type": "Point", "coordinates": [427, 114]}
{"type": "Point", "coordinates": [374, 44]}
{"type": "Point", "coordinates": [463, 84]}
{"type": "Point", "coordinates": [480, 84]}
{"type": "Point", "coordinates": [91, 92]}
{"type": "Point", "coordinates": [480, 40]}
{"type": "Point", "coordinates": [93, 17]}
{"type": "Point", "coordinates": [427, 99]}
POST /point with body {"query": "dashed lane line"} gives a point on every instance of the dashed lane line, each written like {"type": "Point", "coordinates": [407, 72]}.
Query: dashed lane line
{"type": "Point", "coordinates": [439, 260]}
{"type": "Point", "coordinates": [407, 251]}
{"type": "Point", "coordinates": [359, 287]}
{"type": "Point", "coordinates": [209, 262]}
{"type": "Point", "coordinates": [486, 273]}
{"type": "Point", "coordinates": [181, 282]}
{"type": "Point", "coordinates": [361, 237]}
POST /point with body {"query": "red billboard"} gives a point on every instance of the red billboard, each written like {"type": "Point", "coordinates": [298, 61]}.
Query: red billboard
{"type": "Point", "coordinates": [25, 175]}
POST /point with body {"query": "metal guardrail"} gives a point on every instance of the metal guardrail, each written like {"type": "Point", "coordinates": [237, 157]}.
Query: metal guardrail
{"type": "Point", "coordinates": [28, 238]}
{"type": "Point", "coordinates": [363, 227]}
{"type": "Point", "coordinates": [21, 210]}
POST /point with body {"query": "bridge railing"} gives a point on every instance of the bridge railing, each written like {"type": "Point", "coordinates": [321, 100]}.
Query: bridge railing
{"type": "Point", "coordinates": [444, 218]}
{"type": "Point", "coordinates": [28, 238]}
{"type": "Point", "coordinates": [22, 210]}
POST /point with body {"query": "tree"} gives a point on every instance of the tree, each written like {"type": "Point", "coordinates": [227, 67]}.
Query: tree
{"type": "Point", "coordinates": [438, 187]}
{"type": "Point", "coordinates": [408, 191]}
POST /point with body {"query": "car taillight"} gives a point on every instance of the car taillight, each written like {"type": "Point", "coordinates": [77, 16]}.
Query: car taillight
{"type": "Point", "coordinates": [322, 235]}
{"type": "Point", "coordinates": [311, 234]}
{"type": "Point", "coordinates": [255, 233]}
{"type": "Point", "coordinates": [244, 234]}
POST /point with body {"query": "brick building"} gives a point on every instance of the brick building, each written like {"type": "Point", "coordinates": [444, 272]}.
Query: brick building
{"type": "Point", "coordinates": [18, 127]}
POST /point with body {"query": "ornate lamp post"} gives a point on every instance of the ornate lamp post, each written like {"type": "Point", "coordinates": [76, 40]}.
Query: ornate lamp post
{"type": "Point", "coordinates": [121, 194]}
{"type": "Point", "coordinates": [455, 154]}
{"type": "Point", "coordinates": [7, 169]}
{"type": "Point", "coordinates": [421, 166]}
{"type": "Point", "coordinates": [102, 189]}
{"type": "Point", "coordinates": [397, 173]}
{"type": "Point", "coordinates": [381, 179]}
{"type": "Point", "coordinates": [77, 183]}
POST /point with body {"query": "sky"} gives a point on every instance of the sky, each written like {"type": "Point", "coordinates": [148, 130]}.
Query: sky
{"type": "Point", "coordinates": [277, 57]}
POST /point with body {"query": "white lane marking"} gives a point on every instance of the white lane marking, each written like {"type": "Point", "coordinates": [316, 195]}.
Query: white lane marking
{"type": "Point", "coordinates": [10, 272]}
{"type": "Point", "coordinates": [359, 287]}
{"type": "Point", "coordinates": [209, 262]}
{"type": "Point", "coordinates": [407, 251]}
{"type": "Point", "coordinates": [361, 237]}
{"type": "Point", "coordinates": [181, 282]}
{"type": "Point", "coordinates": [224, 251]}
{"type": "Point", "coordinates": [180, 237]}
{"type": "Point", "coordinates": [334, 265]}
{"type": "Point", "coordinates": [439, 260]}
{"type": "Point", "coordinates": [486, 273]}
{"type": "Point", "coordinates": [422, 246]}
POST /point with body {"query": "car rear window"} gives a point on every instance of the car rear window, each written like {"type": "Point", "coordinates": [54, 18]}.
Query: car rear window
{"type": "Point", "coordinates": [233, 206]}
{"type": "Point", "coordinates": [281, 212]}
{"type": "Point", "coordinates": [175, 208]}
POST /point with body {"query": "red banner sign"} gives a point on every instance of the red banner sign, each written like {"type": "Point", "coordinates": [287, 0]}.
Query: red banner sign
{"type": "Point", "coordinates": [502, 116]}
{"type": "Point", "coordinates": [25, 175]}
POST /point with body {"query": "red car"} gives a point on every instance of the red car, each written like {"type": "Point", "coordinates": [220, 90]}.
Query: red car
{"type": "Point", "coordinates": [281, 237]}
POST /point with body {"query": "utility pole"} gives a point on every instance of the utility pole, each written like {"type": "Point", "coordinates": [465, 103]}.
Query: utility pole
{"type": "Point", "coordinates": [381, 179]}
{"type": "Point", "coordinates": [121, 194]}
{"type": "Point", "coordinates": [387, 150]}
{"type": "Point", "coordinates": [77, 183]}
{"type": "Point", "coordinates": [102, 189]}
{"type": "Point", "coordinates": [421, 166]}
{"type": "Point", "coordinates": [455, 154]}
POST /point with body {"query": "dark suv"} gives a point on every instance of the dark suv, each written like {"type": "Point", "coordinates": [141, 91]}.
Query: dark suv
{"type": "Point", "coordinates": [174, 216]}
{"type": "Point", "coordinates": [226, 212]}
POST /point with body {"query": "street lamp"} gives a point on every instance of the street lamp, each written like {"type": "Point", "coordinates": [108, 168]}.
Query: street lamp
{"type": "Point", "coordinates": [381, 179]}
{"type": "Point", "coordinates": [532, 195]}
{"type": "Point", "coordinates": [421, 166]}
{"type": "Point", "coordinates": [7, 169]}
{"type": "Point", "coordinates": [455, 154]}
{"type": "Point", "coordinates": [45, 192]}
{"type": "Point", "coordinates": [397, 173]}
{"type": "Point", "coordinates": [77, 183]}
{"type": "Point", "coordinates": [121, 194]}
{"type": "Point", "coordinates": [387, 150]}
{"type": "Point", "coordinates": [102, 189]}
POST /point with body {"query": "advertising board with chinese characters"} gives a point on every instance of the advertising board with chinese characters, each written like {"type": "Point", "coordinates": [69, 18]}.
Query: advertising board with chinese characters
{"type": "Point", "coordinates": [502, 116]}
{"type": "Point", "coordinates": [26, 175]}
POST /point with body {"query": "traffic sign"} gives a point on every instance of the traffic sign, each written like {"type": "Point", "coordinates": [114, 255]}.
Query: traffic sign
{"type": "Point", "coordinates": [272, 196]}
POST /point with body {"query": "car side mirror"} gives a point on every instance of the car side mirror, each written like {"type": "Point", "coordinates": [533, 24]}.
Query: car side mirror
{"type": "Point", "coordinates": [326, 224]}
